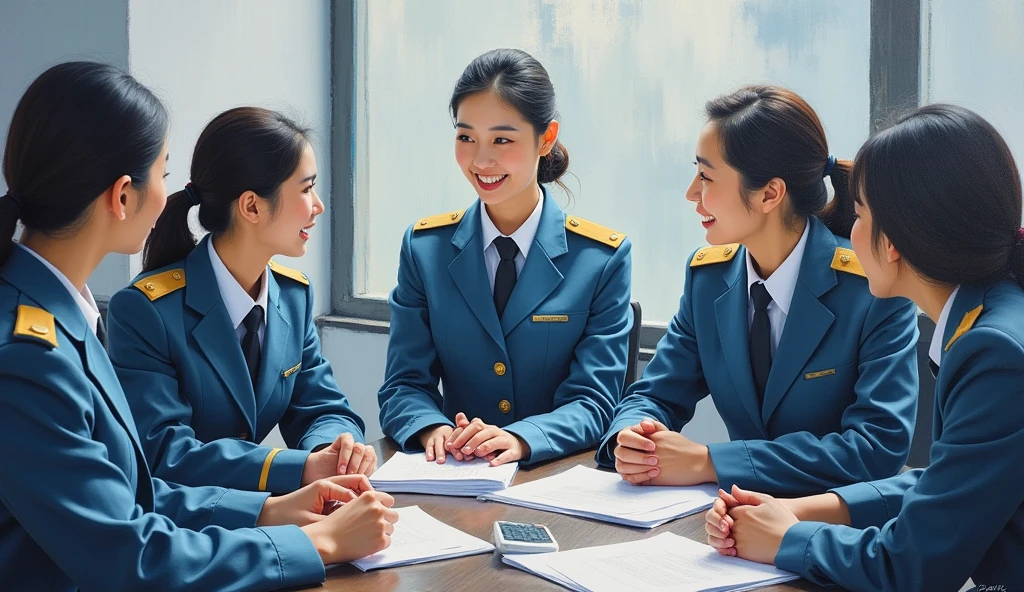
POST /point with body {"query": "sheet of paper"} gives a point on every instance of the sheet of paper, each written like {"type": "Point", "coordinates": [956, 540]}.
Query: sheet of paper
{"type": "Point", "coordinates": [663, 562]}
{"type": "Point", "coordinates": [419, 538]}
{"type": "Point", "coordinates": [414, 467]}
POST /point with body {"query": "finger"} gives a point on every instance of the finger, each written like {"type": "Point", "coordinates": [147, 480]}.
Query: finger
{"type": "Point", "coordinates": [391, 516]}
{"type": "Point", "coordinates": [631, 439]}
{"type": "Point", "coordinates": [652, 425]}
{"type": "Point", "coordinates": [452, 436]}
{"type": "Point", "coordinates": [369, 463]}
{"type": "Point", "coordinates": [635, 457]}
{"type": "Point", "coordinates": [504, 457]}
{"type": "Point", "coordinates": [330, 490]}
{"type": "Point", "coordinates": [461, 420]}
{"type": "Point", "coordinates": [484, 435]}
{"type": "Point", "coordinates": [439, 451]}
{"type": "Point", "coordinates": [721, 544]}
{"type": "Point", "coordinates": [467, 433]}
{"type": "Point", "coordinates": [638, 479]}
{"type": "Point", "coordinates": [727, 498]}
{"type": "Point", "coordinates": [357, 483]}
{"type": "Point", "coordinates": [383, 498]}
{"type": "Point", "coordinates": [749, 498]}
{"type": "Point", "coordinates": [624, 468]}
{"type": "Point", "coordinates": [389, 528]}
{"type": "Point", "coordinates": [428, 449]}
{"type": "Point", "coordinates": [502, 441]}
{"type": "Point", "coordinates": [356, 458]}
{"type": "Point", "coordinates": [345, 443]}
{"type": "Point", "coordinates": [713, 531]}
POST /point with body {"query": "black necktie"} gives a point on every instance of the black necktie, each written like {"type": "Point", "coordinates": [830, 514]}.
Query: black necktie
{"type": "Point", "coordinates": [251, 342]}
{"type": "Point", "coordinates": [505, 278]}
{"type": "Point", "coordinates": [933, 367]}
{"type": "Point", "coordinates": [760, 339]}
{"type": "Point", "coordinates": [101, 331]}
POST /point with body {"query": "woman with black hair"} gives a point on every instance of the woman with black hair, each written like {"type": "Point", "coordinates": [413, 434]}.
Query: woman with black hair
{"type": "Point", "coordinates": [815, 379]}
{"type": "Point", "coordinates": [85, 159]}
{"type": "Point", "coordinates": [939, 213]}
{"type": "Point", "coordinates": [214, 343]}
{"type": "Point", "coordinates": [519, 311]}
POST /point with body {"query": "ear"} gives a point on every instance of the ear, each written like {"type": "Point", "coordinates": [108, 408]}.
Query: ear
{"type": "Point", "coordinates": [115, 199]}
{"type": "Point", "coordinates": [549, 138]}
{"type": "Point", "coordinates": [772, 194]}
{"type": "Point", "coordinates": [891, 254]}
{"type": "Point", "coordinates": [249, 207]}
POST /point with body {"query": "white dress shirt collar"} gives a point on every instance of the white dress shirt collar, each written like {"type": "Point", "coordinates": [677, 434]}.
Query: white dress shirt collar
{"type": "Point", "coordinates": [782, 283]}
{"type": "Point", "coordinates": [236, 299]}
{"type": "Point", "coordinates": [935, 348]}
{"type": "Point", "coordinates": [523, 235]}
{"type": "Point", "coordinates": [83, 299]}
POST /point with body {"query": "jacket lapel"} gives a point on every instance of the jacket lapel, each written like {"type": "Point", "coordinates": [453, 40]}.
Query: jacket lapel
{"type": "Point", "coordinates": [540, 276]}
{"type": "Point", "coordinates": [968, 299]}
{"type": "Point", "coordinates": [733, 331]}
{"type": "Point", "coordinates": [470, 274]}
{"type": "Point", "coordinates": [808, 320]}
{"type": "Point", "coordinates": [275, 345]}
{"type": "Point", "coordinates": [214, 335]}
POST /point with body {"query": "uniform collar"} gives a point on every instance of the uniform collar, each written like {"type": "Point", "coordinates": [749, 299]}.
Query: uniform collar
{"type": "Point", "coordinates": [40, 287]}
{"type": "Point", "coordinates": [86, 303]}
{"type": "Point", "coordinates": [523, 236]}
{"type": "Point", "coordinates": [782, 283]}
{"type": "Point", "coordinates": [550, 233]}
{"type": "Point", "coordinates": [236, 299]}
{"type": "Point", "coordinates": [935, 348]}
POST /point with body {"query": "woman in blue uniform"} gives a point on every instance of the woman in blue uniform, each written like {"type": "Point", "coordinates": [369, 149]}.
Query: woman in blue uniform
{"type": "Point", "coordinates": [815, 379]}
{"type": "Point", "coordinates": [84, 163]}
{"type": "Point", "coordinates": [213, 345]}
{"type": "Point", "coordinates": [519, 311]}
{"type": "Point", "coordinates": [939, 206]}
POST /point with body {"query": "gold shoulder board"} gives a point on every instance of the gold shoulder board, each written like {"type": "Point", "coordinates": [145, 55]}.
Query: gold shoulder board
{"type": "Point", "coordinates": [714, 254]}
{"type": "Point", "coordinates": [601, 234]}
{"type": "Point", "coordinates": [35, 324]}
{"type": "Point", "coordinates": [161, 284]}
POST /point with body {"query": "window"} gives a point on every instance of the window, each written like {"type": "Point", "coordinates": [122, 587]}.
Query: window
{"type": "Point", "coordinates": [631, 78]}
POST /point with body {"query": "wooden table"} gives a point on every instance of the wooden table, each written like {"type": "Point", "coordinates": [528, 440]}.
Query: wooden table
{"type": "Point", "coordinates": [487, 572]}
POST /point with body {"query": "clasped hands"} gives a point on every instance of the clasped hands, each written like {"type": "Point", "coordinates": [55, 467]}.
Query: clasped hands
{"type": "Point", "coordinates": [472, 439]}
{"type": "Point", "coordinates": [651, 454]}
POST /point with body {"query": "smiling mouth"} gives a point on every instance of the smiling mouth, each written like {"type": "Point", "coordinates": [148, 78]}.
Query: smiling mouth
{"type": "Point", "coordinates": [304, 233]}
{"type": "Point", "coordinates": [489, 182]}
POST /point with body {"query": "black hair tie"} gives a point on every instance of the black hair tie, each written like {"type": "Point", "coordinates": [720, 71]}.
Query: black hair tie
{"type": "Point", "coordinates": [829, 165]}
{"type": "Point", "coordinates": [193, 195]}
{"type": "Point", "coordinates": [15, 199]}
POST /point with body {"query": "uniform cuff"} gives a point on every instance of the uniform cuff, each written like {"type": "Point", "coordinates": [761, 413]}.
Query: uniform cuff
{"type": "Point", "coordinates": [283, 471]}
{"type": "Point", "coordinates": [605, 456]}
{"type": "Point", "coordinates": [866, 504]}
{"type": "Point", "coordinates": [733, 465]}
{"type": "Point", "coordinates": [540, 448]}
{"type": "Point", "coordinates": [298, 560]}
{"type": "Point", "coordinates": [406, 437]}
{"type": "Point", "coordinates": [796, 543]}
{"type": "Point", "coordinates": [238, 509]}
{"type": "Point", "coordinates": [326, 436]}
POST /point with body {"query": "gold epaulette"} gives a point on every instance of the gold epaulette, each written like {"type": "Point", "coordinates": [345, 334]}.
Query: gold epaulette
{"type": "Point", "coordinates": [289, 273]}
{"type": "Point", "coordinates": [846, 260]}
{"type": "Point", "coordinates": [601, 234]}
{"type": "Point", "coordinates": [438, 220]}
{"type": "Point", "coordinates": [161, 284]}
{"type": "Point", "coordinates": [965, 325]}
{"type": "Point", "coordinates": [714, 254]}
{"type": "Point", "coordinates": [35, 324]}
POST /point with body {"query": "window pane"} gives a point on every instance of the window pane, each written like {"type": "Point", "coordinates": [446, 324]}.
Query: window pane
{"type": "Point", "coordinates": [975, 61]}
{"type": "Point", "coordinates": [631, 77]}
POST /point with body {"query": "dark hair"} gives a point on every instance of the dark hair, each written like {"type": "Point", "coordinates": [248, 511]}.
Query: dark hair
{"type": "Point", "coordinates": [768, 132]}
{"type": "Point", "coordinates": [242, 149]}
{"type": "Point", "coordinates": [78, 128]}
{"type": "Point", "coordinates": [522, 83]}
{"type": "Point", "coordinates": [943, 187]}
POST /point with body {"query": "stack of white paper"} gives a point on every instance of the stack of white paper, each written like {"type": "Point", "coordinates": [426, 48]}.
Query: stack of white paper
{"type": "Point", "coordinates": [412, 473]}
{"type": "Point", "coordinates": [419, 538]}
{"type": "Point", "coordinates": [601, 495]}
{"type": "Point", "coordinates": [663, 562]}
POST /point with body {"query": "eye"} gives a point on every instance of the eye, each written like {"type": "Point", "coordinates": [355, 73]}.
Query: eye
{"type": "Point", "coordinates": [167, 175]}
{"type": "Point", "coordinates": [502, 141]}
{"type": "Point", "coordinates": [703, 177]}
{"type": "Point", "coordinates": [310, 188]}
{"type": "Point", "coordinates": [463, 138]}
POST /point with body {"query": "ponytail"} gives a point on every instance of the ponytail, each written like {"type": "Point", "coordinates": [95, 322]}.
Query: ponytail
{"type": "Point", "coordinates": [171, 239]}
{"type": "Point", "coordinates": [837, 215]}
{"type": "Point", "coordinates": [554, 165]}
{"type": "Point", "coordinates": [10, 210]}
{"type": "Point", "coordinates": [1017, 258]}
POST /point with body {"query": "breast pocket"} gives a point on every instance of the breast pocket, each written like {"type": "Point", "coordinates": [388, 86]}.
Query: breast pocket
{"type": "Point", "coordinates": [560, 331]}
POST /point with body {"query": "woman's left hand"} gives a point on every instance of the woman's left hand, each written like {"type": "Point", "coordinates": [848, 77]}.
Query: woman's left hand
{"type": "Point", "coordinates": [476, 439]}
{"type": "Point", "coordinates": [759, 524]}
{"type": "Point", "coordinates": [313, 502]}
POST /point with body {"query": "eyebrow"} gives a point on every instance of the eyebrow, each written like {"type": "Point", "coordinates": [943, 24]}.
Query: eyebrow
{"type": "Point", "coordinates": [497, 128]}
{"type": "Point", "coordinates": [704, 162]}
{"type": "Point", "coordinates": [309, 178]}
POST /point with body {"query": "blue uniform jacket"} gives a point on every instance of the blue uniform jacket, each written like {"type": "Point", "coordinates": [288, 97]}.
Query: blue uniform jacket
{"type": "Point", "coordinates": [841, 398]}
{"type": "Point", "coordinates": [549, 371]}
{"type": "Point", "coordinates": [181, 366]}
{"type": "Point", "coordinates": [78, 508]}
{"type": "Point", "coordinates": [963, 516]}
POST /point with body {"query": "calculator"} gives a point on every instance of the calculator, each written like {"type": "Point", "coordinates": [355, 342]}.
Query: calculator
{"type": "Point", "coordinates": [517, 537]}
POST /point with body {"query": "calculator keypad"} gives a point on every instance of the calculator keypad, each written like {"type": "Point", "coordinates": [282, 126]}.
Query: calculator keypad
{"type": "Point", "coordinates": [524, 533]}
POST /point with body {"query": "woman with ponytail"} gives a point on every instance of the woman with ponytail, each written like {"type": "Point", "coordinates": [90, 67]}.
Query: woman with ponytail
{"type": "Point", "coordinates": [215, 343]}
{"type": "Point", "coordinates": [939, 212]}
{"type": "Point", "coordinates": [85, 160]}
{"type": "Point", "coordinates": [518, 311]}
{"type": "Point", "coordinates": [815, 379]}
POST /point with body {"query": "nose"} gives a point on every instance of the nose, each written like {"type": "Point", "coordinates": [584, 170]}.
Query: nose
{"type": "Point", "coordinates": [484, 159]}
{"type": "Point", "coordinates": [318, 205]}
{"type": "Point", "coordinates": [693, 192]}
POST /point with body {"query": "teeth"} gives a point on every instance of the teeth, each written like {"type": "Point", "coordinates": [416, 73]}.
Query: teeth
{"type": "Point", "coordinates": [491, 179]}
{"type": "Point", "coordinates": [708, 218]}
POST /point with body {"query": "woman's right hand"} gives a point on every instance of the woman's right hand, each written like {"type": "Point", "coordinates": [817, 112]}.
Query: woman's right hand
{"type": "Point", "coordinates": [433, 439]}
{"type": "Point", "coordinates": [718, 524]}
{"type": "Point", "coordinates": [357, 529]}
